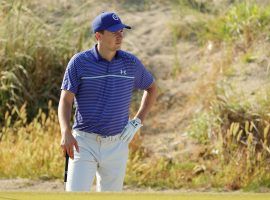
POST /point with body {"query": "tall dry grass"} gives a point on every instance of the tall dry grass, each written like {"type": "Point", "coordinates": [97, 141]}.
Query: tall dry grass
{"type": "Point", "coordinates": [243, 138]}
{"type": "Point", "coordinates": [235, 129]}
{"type": "Point", "coordinates": [30, 150]}
{"type": "Point", "coordinates": [241, 24]}
{"type": "Point", "coordinates": [233, 126]}
{"type": "Point", "coordinates": [36, 42]}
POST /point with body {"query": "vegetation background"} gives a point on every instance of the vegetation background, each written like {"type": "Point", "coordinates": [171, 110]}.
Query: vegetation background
{"type": "Point", "coordinates": [210, 126]}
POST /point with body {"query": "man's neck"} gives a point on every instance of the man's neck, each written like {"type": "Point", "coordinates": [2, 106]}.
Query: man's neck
{"type": "Point", "coordinates": [105, 53]}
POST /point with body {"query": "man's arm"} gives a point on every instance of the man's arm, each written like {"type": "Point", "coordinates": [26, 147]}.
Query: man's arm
{"type": "Point", "coordinates": [148, 100]}
{"type": "Point", "coordinates": [64, 115]}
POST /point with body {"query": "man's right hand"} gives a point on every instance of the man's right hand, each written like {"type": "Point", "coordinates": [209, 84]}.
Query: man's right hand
{"type": "Point", "coordinates": [67, 143]}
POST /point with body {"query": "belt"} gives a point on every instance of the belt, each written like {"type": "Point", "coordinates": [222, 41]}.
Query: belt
{"type": "Point", "coordinates": [97, 137]}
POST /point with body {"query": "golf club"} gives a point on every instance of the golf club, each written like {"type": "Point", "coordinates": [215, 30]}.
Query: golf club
{"type": "Point", "coordinates": [66, 171]}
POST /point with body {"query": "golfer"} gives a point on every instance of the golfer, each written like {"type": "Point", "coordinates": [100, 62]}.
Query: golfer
{"type": "Point", "coordinates": [100, 81]}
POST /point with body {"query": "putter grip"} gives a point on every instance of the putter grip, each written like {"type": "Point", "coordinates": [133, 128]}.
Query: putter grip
{"type": "Point", "coordinates": [66, 168]}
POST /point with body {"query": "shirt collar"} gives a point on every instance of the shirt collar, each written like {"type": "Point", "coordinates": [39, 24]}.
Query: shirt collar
{"type": "Point", "coordinates": [98, 56]}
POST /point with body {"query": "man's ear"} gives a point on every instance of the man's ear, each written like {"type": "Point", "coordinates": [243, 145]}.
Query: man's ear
{"type": "Point", "coordinates": [97, 36]}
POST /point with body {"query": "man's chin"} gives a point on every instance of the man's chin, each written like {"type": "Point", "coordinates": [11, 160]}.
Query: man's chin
{"type": "Point", "coordinates": [118, 47]}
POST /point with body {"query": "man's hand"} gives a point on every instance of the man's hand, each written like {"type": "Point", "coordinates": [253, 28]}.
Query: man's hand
{"type": "Point", "coordinates": [67, 143]}
{"type": "Point", "coordinates": [130, 129]}
{"type": "Point", "coordinates": [64, 113]}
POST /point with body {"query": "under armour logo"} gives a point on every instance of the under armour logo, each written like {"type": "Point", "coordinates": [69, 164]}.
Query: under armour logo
{"type": "Point", "coordinates": [123, 72]}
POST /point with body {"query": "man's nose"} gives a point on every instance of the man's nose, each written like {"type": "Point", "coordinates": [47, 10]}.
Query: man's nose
{"type": "Point", "coordinates": [120, 33]}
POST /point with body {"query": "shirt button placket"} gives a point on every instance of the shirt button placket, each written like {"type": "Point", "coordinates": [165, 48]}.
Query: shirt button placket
{"type": "Point", "coordinates": [108, 68]}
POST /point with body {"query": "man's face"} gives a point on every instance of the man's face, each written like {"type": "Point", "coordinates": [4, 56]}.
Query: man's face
{"type": "Point", "coordinates": [111, 40]}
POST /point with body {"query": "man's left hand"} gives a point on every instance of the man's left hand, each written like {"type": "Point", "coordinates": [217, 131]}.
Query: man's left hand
{"type": "Point", "coordinates": [130, 129]}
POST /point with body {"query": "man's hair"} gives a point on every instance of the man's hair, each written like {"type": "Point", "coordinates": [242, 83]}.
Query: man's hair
{"type": "Point", "coordinates": [102, 31]}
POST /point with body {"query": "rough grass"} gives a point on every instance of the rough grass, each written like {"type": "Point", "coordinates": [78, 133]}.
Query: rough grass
{"type": "Point", "coordinates": [32, 150]}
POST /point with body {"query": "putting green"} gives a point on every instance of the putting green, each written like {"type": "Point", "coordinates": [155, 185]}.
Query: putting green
{"type": "Point", "coordinates": [131, 196]}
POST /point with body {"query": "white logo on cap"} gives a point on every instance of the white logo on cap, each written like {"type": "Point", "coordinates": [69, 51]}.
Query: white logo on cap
{"type": "Point", "coordinates": [115, 17]}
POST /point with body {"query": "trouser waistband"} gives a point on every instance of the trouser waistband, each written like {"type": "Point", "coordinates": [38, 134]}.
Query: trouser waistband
{"type": "Point", "coordinates": [97, 137]}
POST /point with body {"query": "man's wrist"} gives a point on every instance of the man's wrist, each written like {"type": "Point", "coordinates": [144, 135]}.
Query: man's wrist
{"type": "Point", "coordinates": [66, 131]}
{"type": "Point", "coordinates": [138, 119]}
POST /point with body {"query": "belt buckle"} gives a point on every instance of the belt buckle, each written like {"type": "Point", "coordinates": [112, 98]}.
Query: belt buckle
{"type": "Point", "coordinates": [98, 138]}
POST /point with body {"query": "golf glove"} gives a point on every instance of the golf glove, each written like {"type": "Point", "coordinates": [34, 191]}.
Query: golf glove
{"type": "Point", "coordinates": [130, 129]}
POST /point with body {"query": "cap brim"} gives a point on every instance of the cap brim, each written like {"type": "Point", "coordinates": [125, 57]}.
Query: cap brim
{"type": "Point", "coordinates": [117, 27]}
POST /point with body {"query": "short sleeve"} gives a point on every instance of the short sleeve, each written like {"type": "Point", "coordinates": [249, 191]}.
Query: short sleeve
{"type": "Point", "coordinates": [143, 78]}
{"type": "Point", "coordinates": [70, 80]}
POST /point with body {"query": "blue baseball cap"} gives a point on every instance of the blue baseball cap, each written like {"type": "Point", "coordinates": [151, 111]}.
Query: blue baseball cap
{"type": "Point", "coordinates": [108, 21]}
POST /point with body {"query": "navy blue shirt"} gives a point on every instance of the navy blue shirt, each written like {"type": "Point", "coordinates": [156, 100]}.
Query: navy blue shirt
{"type": "Point", "coordinates": [103, 89]}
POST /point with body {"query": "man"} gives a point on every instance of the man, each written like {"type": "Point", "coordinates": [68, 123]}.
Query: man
{"type": "Point", "coordinates": [100, 81]}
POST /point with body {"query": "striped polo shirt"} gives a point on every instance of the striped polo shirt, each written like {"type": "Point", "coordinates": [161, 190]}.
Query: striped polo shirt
{"type": "Point", "coordinates": [103, 89]}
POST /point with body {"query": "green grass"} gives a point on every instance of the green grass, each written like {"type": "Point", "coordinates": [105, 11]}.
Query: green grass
{"type": "Point", "coordinates": [131, 196]}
